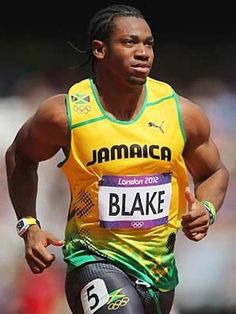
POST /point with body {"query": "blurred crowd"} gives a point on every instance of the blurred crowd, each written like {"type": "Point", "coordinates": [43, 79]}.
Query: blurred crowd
{"type": "Point", "coordinates": [206, 269]}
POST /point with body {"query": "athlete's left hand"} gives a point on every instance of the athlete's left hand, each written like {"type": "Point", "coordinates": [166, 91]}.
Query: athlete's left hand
{"type": "Point", "coordinates": [196, 220]}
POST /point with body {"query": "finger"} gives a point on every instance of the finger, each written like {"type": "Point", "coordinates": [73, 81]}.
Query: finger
{"type": "Point", "coordinates": [195, 236]}
{"type": "Point", "coordinates": [35, 264]}
{"type": "Point", "coordinates": [186, 219]}
{"type": "Point", "coordinates": [191, 218]}
{"type": "Point", "coordinates": [190, 198]}
{"type": "Point", "coordinates": [54, 241]}
{"type": "Point", "coordinates": [202, 229]}
{"type": "Point", "coordinates": [194, 221]}
{"type": "Point", "coordinates": [39, 255]}
{"type": "Point", "coordinates": [36, 269]}
{"type": "Point", "coordinates": [43, 255]}
{"type": "Point", "coordinates": [198, 236]}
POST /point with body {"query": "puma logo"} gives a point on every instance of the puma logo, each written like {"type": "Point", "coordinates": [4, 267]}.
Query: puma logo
{"type": "Point", "coordinates": [152, 124]}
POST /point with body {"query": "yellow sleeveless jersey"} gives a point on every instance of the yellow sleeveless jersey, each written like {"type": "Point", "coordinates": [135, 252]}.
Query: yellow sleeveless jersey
{"type": "Point", "coordinates": [127, 182]}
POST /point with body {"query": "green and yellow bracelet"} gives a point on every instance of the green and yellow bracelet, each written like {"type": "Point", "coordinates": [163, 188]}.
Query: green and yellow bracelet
{"type": "Point", "coordinates": [211, 210]}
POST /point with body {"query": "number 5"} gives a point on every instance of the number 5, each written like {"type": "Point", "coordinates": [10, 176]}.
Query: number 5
{"type": "Point", "coordinates": [94, 295]}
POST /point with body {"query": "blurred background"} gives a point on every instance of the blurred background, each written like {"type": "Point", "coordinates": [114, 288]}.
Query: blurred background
{"type": "Point", "coordinates": [38, 58]}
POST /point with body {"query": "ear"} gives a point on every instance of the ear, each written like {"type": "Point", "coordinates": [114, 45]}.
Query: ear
{"type": "Point", "coordinates": [99, 49]}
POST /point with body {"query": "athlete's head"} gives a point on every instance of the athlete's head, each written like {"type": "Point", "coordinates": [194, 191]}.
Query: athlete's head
{"type": "Point", "coordinates": [121, 40]}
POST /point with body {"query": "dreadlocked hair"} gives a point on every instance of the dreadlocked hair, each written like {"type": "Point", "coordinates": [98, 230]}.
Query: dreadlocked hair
{"type": "Point", "coordinates": [102, 24]}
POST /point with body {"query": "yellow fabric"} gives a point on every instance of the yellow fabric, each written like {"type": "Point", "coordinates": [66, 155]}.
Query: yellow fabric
{"type": "Point", "coordinates": [152, 143]}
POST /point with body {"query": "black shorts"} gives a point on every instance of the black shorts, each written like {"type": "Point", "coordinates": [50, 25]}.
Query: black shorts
{"type": "Point", "coordinates": [103, 288]}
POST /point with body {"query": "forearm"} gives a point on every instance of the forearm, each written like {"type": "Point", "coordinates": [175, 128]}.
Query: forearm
{"type": "Point", "coordinates": [213, 189]}
{"type": "Point", "coordinates": [22, 183]}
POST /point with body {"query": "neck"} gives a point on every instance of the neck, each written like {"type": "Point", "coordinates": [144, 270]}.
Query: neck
{"type": "Point", "coordinates": [121, 102]}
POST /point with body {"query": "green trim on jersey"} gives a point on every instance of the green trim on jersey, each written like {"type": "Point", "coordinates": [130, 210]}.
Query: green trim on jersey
{"type": "Point", "coordinates": [160, 100]}
{"type": "Point", "coordinates": [109, 117]}
{"type": "Point", "coordinates": [88, 122]}
{"type": "Point", "coordinates": [180, 118]}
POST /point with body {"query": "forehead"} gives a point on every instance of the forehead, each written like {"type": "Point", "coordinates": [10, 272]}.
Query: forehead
{"type": "Point", "coordinates": [130, 25]}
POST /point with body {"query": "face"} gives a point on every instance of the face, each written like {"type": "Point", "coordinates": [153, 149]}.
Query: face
{"type": "Point", "coordinates": [129, 53]}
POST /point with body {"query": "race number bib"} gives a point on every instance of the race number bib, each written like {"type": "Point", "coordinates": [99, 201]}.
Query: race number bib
{"type": "Point", "coordinates": [94, 295]}
{"type": "Point", "coordinates": [134, 201]}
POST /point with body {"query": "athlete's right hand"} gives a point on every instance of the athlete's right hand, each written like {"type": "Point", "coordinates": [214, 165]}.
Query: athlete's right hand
{"type": "Point", "coordinates": [36, 253]}
{"type": "Point", "coordinates": [196, 221]}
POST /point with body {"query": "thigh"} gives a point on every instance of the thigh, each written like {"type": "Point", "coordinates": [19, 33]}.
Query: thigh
{"type": "Point", "coordinates": [101, 288]}
{"type": "Point", "coordinates": [154, 301]}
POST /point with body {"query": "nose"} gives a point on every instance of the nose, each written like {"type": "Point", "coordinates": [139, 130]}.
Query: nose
{"type": "Point", "coordinates": [142, 52]}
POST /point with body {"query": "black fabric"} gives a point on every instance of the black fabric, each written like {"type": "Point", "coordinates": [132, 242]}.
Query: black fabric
{"type": "Point", "coordinates": [136, 299]}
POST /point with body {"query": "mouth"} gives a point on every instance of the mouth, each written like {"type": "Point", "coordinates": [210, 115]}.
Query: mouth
{"type": "Point", "coordinates": [143, 68]}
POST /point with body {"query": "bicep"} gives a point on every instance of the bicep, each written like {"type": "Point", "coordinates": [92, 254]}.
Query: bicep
{"type": "Point", "coordinates": [32, 142]}
{"type": "Point", "coordinates": [202, 160]}
{"type": "Point", "coordinates": [45, 133]}
{"type": "Point", "coordinates": [201, 154]}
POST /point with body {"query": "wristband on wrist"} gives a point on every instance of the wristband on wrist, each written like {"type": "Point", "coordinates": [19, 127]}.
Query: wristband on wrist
{"type": "Point", "coordinates": [24, 223]}
{"type": "Point", "coordinates": [211, 210]}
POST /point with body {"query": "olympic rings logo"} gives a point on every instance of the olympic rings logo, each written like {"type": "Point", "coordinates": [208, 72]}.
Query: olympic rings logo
{"type": "Point", "coordinates": [137, 224]}
{"type": "Point", "coordinates": [82, 109]}
{"type": "Point", "coordinates": [118, 303]}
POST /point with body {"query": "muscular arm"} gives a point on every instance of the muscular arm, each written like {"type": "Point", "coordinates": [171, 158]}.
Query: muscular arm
{"type": "Point", "coordinates": [39, 139]}
{"type": "Point", "coordinates": [202, 158]}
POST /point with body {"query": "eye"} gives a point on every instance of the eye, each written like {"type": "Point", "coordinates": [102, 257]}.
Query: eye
{"type": "Point", "coordinates": [129, 42]}
{"type": "Point", "coordinates": [150, 44]}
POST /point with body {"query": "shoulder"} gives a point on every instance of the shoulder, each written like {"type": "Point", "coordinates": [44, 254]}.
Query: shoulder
{"type": "Point", "coordinates": [51, 119]}
{"type": "Point", "coordinates": [195, 120]}
{"type": "Point", "coordinates": [44, 133]}
{"type": "Point", "coordinates": [52, 110]}
{"type": "Point", "coordinates": [52, 106]}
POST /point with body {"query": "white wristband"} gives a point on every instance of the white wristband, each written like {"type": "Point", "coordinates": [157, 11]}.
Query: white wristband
{"type": "Point", "coordinates": [24, 223]}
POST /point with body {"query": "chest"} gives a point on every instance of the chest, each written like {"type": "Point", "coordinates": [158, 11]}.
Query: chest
{"type": "Point", "coordinates": [152, 141]}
